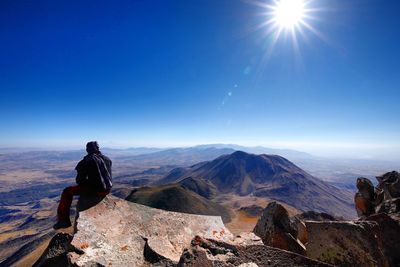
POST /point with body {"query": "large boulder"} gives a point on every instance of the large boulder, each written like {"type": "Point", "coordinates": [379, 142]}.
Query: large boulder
{"type": "Point", "coordinates": [365, 197]}
{"type": "Point", "coordinates": [345, 243]}
{"type": "Point", "coordinates": [384, 198]}
{"type": "Point", "coordinates": [120, 233]}
{"type": "Point", "coordinates": [275, 229]}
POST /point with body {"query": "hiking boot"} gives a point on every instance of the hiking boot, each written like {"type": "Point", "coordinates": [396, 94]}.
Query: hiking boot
{"type": "Point", "coordinates": [62, 224]}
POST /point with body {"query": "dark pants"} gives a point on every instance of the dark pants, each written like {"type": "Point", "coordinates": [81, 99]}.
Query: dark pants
{"type": "Point", "coordinates": [67, 196]}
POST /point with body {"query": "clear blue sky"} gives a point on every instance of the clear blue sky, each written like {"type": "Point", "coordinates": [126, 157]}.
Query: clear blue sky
{"type": "Point", "coordinates": [167, 73]}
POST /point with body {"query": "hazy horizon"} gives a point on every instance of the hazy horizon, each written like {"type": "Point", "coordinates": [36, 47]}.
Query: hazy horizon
{"type": "Point", "coordinates": [337, 153]}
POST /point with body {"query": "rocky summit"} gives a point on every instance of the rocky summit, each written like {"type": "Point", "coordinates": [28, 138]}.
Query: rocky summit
{"type": "Point", "coordinates": [119, 233]}
{"type": "Point", "coordinates": [372, 240]}
{"type": "Point", "coordinates": [116, 232]}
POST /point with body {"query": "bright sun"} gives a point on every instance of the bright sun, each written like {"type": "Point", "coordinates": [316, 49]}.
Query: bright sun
{"type": "Point", "coordinates": [288, 18]}
{"type": "Point", "coordinates": [288, 14]}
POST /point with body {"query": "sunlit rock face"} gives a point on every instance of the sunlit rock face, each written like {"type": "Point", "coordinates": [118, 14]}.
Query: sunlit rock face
{"type": "Point", "coordinates": [370, 241]}
{"type": "Point", "coordinates": [384, 198]}
{"type": "Point", "coordinates": [120, 233]}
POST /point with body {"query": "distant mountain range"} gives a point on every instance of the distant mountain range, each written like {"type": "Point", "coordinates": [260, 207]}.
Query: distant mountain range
{"type": "Point", "coordinates": [269, 176]}
{"type": "Point", "coordinates": [340, 172]}
{"type": "Point", "coordinates": [179, 156]}
{"type": "Point", "coordinates": [153, 152]}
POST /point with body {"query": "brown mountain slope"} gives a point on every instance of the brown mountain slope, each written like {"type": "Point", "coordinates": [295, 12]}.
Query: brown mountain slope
{"type": "Point", "coordinates": [175, 197]}
{"type": "Point", "coordinates": [269, 176]}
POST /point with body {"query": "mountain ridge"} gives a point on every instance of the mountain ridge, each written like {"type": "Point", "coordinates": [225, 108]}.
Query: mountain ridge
{"type": "Point", "coordinates": [269, 176]}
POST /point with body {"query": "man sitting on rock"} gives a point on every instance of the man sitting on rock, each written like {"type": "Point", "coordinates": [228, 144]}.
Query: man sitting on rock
{"type": "Point", "coordinates": [93, 178]}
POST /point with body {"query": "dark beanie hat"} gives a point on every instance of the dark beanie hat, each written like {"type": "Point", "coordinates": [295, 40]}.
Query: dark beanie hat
{"type": "Point", "coordinates": [92, 147]}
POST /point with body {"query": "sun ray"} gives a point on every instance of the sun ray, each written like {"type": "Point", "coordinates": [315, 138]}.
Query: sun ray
{"type": "Point", "coordinates": [288, 19]}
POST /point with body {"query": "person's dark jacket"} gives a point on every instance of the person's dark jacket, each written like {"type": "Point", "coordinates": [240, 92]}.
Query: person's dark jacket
{"type": "Point", "coordinates": [94, 171]}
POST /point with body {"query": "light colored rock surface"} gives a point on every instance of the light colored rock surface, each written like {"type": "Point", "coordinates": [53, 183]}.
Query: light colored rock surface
{"type": "Point", "coordinates": [247, 239]}
{"type": "Point", "coordinates": [302, 234]}
{"type": "Point", "coordinates": [115, 231]}
{"type": "Point", "coordinates": [249, 264]}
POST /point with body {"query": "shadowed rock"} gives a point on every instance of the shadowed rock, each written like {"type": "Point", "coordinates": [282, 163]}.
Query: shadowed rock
{"type": "Point", "coordinates": [207, 252]}
{"type": "Point", "coordinates": [389, 192]}
{"type": "Point", "coordinates": [276, 230]}
{"type": "Point", "coordinates": [365, 198]}
{"type": "Point", "coordinates": [390, 184]}
{"type": "Point", "coordinates": [389, 227]}
{"type": "Point", "coordinates": [315, 216]}
{"type": "Point", "coordinates": [56, 254]}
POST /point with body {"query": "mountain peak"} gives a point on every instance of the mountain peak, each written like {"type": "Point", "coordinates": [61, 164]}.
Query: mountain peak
{"type": "Point", "coordinates": [239, 154]}
{"type": "Point", "coordinates": [269, 176]}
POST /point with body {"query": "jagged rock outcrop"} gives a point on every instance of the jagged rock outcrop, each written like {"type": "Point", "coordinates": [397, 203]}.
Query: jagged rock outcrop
{"type": "Point", "coordinates": [208, 253]}
{"type": "Point", "coordinates": [385, 197]}
{"type": "Point", "coordinates": [389, 183]}
{"type": "Point", "coordinates": [366, 197]}
{"type": "Point", "coordinates": [370, 241]}
{"type": "Point", "coordinates": [275, 229]}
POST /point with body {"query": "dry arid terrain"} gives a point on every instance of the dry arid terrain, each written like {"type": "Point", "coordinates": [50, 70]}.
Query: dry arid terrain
{"type": "Point", "coordinates": [31, 182]}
